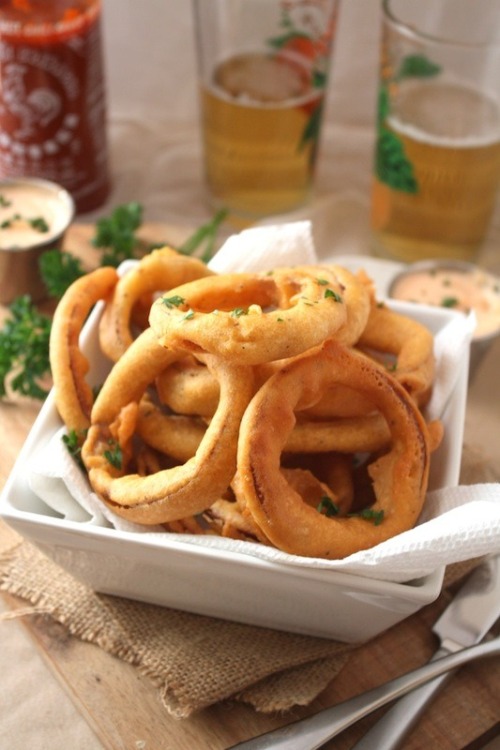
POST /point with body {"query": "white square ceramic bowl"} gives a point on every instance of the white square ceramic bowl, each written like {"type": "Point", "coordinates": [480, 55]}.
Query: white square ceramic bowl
{"type": "Point", "coordinates": [224, 583]}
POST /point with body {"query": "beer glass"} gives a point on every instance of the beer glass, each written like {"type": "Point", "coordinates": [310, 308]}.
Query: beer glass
{"type": "Point", "coordinates": [263, 69]}
{"type": "Point", "coordinates": [437, 154]}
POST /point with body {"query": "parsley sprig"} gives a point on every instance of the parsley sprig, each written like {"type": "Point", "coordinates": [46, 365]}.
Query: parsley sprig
{"type": "Point", "coordinates": [24, 350]}
{"type": "Point", "coordinates": [59, 270]}
{"type": "Point", "coordinates": [116, 234]}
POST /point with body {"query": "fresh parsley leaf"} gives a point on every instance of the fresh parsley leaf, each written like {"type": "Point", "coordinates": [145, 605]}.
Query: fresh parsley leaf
{"type": "Point", "coordinates": [24, 350]}
{"type": "Point", "coordinates": [238, 312]}
{"type": "Point", "coordinates": [116, 234]}
{"type": "Point", "coordinates": [333, 295]}
{"type": "Point", "coordinates": [327, 507]}
{"type": "Point", "coordinates": [59, 270]}
{"type": "Point", "coordinates": [114, 455]}
{"type": "Point", "coordinates": [73, 442]}
{"type": "Point", "coordinates": [175, 301]}
{"type": "Point", "coordinates": [39, 224]}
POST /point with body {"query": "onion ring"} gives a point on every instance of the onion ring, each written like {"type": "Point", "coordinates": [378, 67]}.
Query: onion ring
{"type": "Point", "coordinates": [224, 314]}
{"type": "Point", "coordinates": [73, 395]}
{"type": "Point", "coordinates": [343, 435]}
{"type": "Point", "coordinates": [188, 387]}
{"type": "Point", "coordinates": [181, 491]}
{"type": "Point", "coordinates": [387, 331]}
{"type": "Point", "coordinates": [399, 477]}
{"type": "Point", "coordinates": [176, 435]}
{"type": "Point", "coordinates": [158, 271]}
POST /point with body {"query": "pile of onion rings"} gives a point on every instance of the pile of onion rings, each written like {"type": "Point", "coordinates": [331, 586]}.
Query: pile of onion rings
{"type": "Point", "coordinates": [284, 408]}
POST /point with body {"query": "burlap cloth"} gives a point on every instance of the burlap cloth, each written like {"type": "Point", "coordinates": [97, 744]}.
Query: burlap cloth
{"type": "Point", "coordinates": [195, 661]}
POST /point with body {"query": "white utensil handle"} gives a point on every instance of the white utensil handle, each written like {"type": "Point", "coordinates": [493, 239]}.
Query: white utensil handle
{"type": "Point", "coordinates": [396, 724]}
{"type": "Point", "coordinates": [312, 732]}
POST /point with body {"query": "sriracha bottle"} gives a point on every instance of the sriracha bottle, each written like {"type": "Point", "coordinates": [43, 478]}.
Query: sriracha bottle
{"type": "Point", "coordinates": [52, 96]}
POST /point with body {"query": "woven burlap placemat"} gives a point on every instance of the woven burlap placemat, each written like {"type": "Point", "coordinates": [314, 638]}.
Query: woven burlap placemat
{"type": "Point", "coordinates": [195, 661]}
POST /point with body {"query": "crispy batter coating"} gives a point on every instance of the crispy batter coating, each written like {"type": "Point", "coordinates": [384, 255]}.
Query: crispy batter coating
{"type": "Point", "coordinates": [253, 318]}
{"type": "Point", "coordinates": [73, 395]}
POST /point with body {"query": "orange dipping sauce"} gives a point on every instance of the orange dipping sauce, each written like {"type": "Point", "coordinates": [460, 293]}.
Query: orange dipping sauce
{"type": "Point", "coordinates": [460, 286]}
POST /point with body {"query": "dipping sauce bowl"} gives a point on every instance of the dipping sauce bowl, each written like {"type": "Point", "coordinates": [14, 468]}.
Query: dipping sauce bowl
{"type": "Point", "coordinates": [34, 217]}
{"type": "Point", "coordinates": [457, 285]}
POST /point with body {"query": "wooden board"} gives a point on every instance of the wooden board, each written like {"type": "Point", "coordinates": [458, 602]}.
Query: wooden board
{"type": "Point", "coordinates": [124, 709]}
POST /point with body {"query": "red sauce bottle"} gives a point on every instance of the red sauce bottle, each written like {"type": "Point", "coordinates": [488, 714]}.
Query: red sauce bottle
{"type": "Point", "coordinates": [52, 96]}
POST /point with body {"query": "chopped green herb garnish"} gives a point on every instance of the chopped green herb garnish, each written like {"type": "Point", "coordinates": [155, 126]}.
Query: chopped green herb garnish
{"type": "Point", "coordinates": [370, 514]}
{"type": "Point", "coordinates": [174, 301]}
{"type": "Point", "coordinates": [327, 507]}
{"type": "Point", "coordinates": [114, 456]}
{"type": "Point", "coordinates": [449, 302]}
{"type": "Point", "coordinates": [333, 295]}
{"type": "Point", "coordinates": [188, 315]}
{"type": "Point", "coordinates": [39, 224]}
{"type": "Point", "coordinates": [4, 203]}
{"type": "Point", "coordinates": [239, 311]}
{"type": "Point", "coordinates": [73, 442]}
{"type": "Point", "coordinates": [7, 223]}
{"type": "Point", "coordinates": [322, 282]}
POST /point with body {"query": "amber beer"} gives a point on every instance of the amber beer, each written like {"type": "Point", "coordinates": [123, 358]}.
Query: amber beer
{"type": "Point", "coordinates": [451, 137]}
{"type": "Point", "coordinates": [259, 144]}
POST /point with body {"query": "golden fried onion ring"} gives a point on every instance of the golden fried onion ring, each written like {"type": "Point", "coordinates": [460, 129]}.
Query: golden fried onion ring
{"type": "Point", "coordinates": [176, 435]}
{"type": "Point", "coordinates": [226, 315]}
{"type": "Point", "coordinates": [188, 387]}
{"type": "Point", "coordinates": [158, 271]}
{"type": "Point", "coordinates": [177, 492]}
{"type": "Point", "coordinates": [73, 395]}
{"type": "Point", "coordinates": [412, 344]}
{"type": "Point", "coordinates": [399, 477]}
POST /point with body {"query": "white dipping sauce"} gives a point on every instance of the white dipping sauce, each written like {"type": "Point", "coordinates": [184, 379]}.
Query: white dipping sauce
{"type": "Point", "coordinates": [31, 213]}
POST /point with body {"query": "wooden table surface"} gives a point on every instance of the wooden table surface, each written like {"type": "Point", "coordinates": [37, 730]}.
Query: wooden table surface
{"type": "Point", "coordinates": [104, 688]}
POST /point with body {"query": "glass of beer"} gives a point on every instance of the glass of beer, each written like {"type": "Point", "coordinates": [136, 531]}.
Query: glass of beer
{"type": "Point", "coordinates": [263, 68]}
{"type": "Point", "coordinates": [437, 154]}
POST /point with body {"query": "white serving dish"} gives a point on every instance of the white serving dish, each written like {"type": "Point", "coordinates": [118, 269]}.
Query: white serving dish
{"type": "Point", "coordinates": [225, 583]}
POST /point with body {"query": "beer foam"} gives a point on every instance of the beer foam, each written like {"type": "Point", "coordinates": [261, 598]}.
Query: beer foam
{"type": "Point", "coordinates": [446, 114]}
